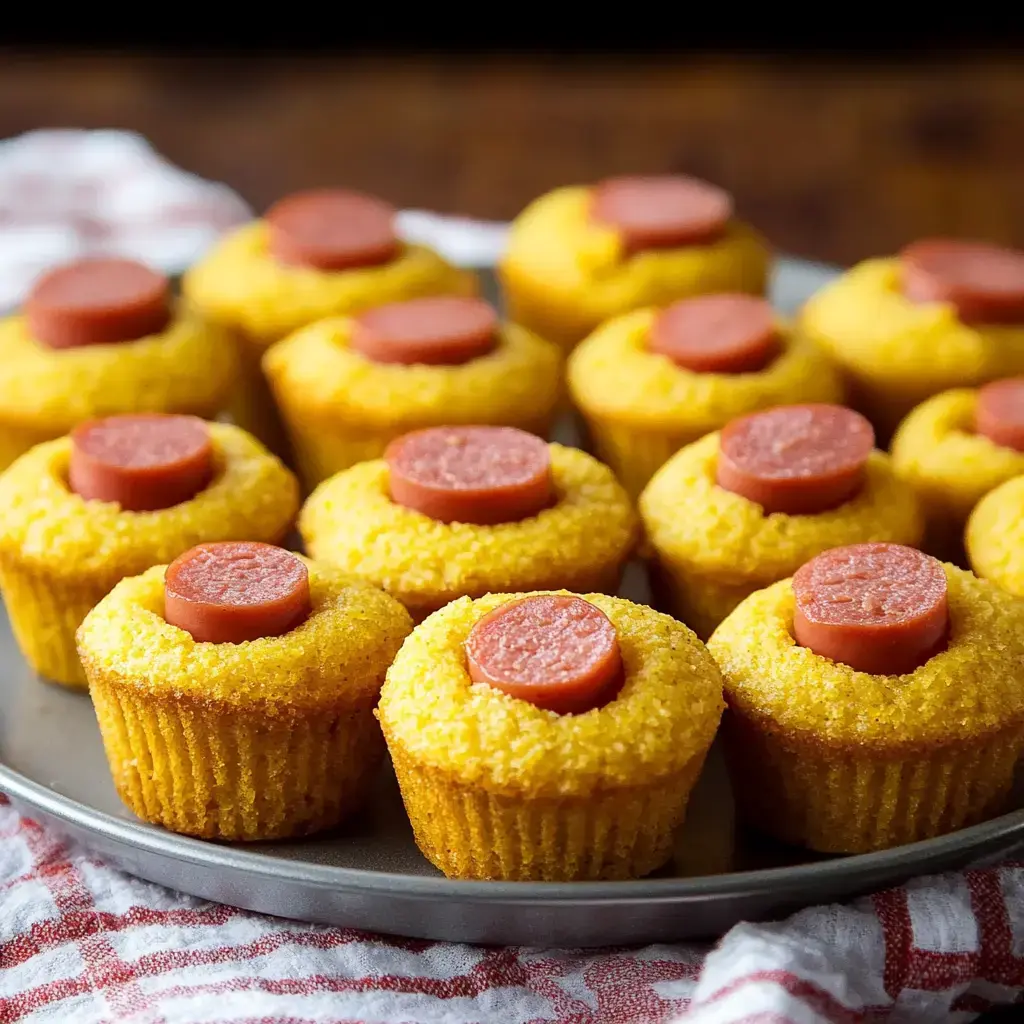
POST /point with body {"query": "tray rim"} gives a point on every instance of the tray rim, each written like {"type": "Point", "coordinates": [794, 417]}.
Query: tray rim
{"type": "Point", "coordinates": [996, 833]}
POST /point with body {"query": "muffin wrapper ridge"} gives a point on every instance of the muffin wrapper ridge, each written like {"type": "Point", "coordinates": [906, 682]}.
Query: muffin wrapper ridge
{"type": "Point", "coordinates": [470, 833]}
{"type": "Point", "coordinates": [44, 613]}
{"type": "Point", "coordinates": [635, 455]}
{"type": "Point", "coordinates": [701, 602]}
{"type": "Point", "coordinates": [850, 802]}
{"type": "Point", "coordinates": [235, 776]}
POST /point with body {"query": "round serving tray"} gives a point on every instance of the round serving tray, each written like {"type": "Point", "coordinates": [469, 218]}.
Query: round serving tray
{"type": "Point", "coordinates": [370, 875]}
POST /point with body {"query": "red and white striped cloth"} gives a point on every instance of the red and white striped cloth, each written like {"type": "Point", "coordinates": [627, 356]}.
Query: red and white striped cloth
{"type": "Point", "coordinates": [82, 943]}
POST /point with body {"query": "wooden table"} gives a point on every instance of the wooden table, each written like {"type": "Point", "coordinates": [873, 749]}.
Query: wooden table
{"type": "Point", "coordinates": [832, 161]}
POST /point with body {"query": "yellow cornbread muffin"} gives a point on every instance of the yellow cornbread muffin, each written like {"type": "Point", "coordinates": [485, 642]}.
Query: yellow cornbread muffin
{"type": "Point", "coordinates": [711, 547]}
{"type": "Point", "coordinates": [951, 467]}
{"type": "Point", "coordinates": [497, 788]}
{"type": "Point", "coordinates": [189, 367]}
{"type": "Point", "coordinates": [582, 541]}
{"type": "Point", "coordinates": [563, 274]}
{"type": "Point", "coordinates": [264, 739]}
{"type": "Point", "coordinates": [241, 285]}
{"type": "Point", "coordinates": [896, 353]}
{"type": "Point", "coordinates": [995, 536]}
{"type": "Point", "coordinates": [640, 407]}
{"type": "Point", "coordinates": [843, 761]}
{"type": "Point", "coordinates": [59, 554]}
{"type": "Point", "coordinates": [341, 408]}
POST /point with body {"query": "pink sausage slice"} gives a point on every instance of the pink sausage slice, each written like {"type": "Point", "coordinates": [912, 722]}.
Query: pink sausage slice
{"type": "Point", "coordinates": [557, 652]}
{"type": "Point", "coordinates": [999, 412]}
{"type": "Point", "coordinates": [143, 462]}
{"type": "Point", "coordinates": [662, 211]}
{"type": "Point", "coordinates": [97, 302]}
{"type": "Point", "coordinates": [985, 283]}
{"type": "Point", "coordinates": [332, 229]}
{"type": "Point", "coordinates": [440, 330]}
{"type": "Point", "coordinates": [879, 608]}
{"type": "Point", "coordinates": [796, 459]}
{"type": "Point", "coordinates": [717, 334]}
{"type": "Point", "coordinates": [235, 591]}
{"type": "Point", "coordinates": [483, 475]}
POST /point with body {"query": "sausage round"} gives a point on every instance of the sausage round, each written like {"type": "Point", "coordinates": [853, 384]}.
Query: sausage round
{"type": "Point", "coordinates": [97, 302]}
{"type": "Point", "coordinates": [235, 591]}
{"type": "Point", "coordinates": [482, 475]}
{"type": "Point", "coordinates": [438, 330]}
{"type": "Point", "coordinates": [796, 459]}
{"type": "Point", "coordinates": [661, 211]}
{"type": "Point", "coordinates": [558, 652]}
{"type": "Point", "coordinates": [717, 334]}
{"type": "Point", "coordinates": [879, 608]}
{"type": "Point", "coordinates": [332, 229]}
{"type": "Point", "coordinates": [985, 283]}
{"type": "Point", "coordinates": [144, 461]}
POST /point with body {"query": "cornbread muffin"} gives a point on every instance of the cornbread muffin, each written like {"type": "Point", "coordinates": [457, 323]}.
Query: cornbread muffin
{"type": "Point", "coordinates": [848, 761]}
{"type": "Point", "coordinates": [898, 344]}
{"type": "Point", "coordinates": [579, 531]}
{"type": "Point", "coordinates": [313, 255]}
{"type": "Point", "coordinates": [572, 262]}
{"type": "Point", "coordinates": [950, 465]}
{"type": "Point", "coordinates": [60, 553]}
{"type": "Point", "coordinates": [101, 337]}
{"type": "Point", "coordinates": [995, 536]}
{"type": "Point", "coordinates": [641, 402]}
{"type": "Point", "coordinates": [264, 739]}
{"type": "Point", "coordinates": [342, 406]}
{"type": "Point", "coordinates": [710, 545]}
{"type": "Point", "coordinates": [499, 788]}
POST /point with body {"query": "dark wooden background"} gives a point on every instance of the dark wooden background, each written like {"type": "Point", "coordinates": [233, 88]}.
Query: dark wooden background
{"type": "Point", "coordinates": [834, 159]}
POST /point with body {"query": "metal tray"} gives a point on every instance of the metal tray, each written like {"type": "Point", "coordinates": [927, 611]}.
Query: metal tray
{"type": "Point", "coordinates": [370, 874]}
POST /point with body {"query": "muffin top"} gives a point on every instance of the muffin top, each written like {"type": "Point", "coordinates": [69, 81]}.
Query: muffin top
{"type": "Point", "coordinates": [190, 366]}
{"type": "Point", "coordinates": [727, 536]}
{"type": "Point", "coordinates": [937, 449]}
{"type": "Point", "coordinates": [970, 689]}
{"type": "Point", "coordinates": [665, 714]}
{"type": "Point", "coordinates": [240, 283]}
{"type": "Point", "coordinates": [864, 321]}
{"type": "Point", "coordinates": [43, 523]}
{"type": "Point", "coordinates": [519, 379]}
{"type": "Point", "coordinates": [556, 241]}
{"type": "Point", "coordinates": [352, 522]}
{"type": "Point", "coordinates": [995, 536]}
{"type": "Point", "coordinates": [615, 375]}
{"type": "Point", "coordinates": [335, 658]}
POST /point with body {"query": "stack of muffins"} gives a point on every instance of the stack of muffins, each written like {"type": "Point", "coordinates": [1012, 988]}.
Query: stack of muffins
{"type": "Point", "coordinates": [454, 605]}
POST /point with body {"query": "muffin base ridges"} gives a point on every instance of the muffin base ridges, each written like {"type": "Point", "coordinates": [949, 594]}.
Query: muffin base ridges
{"type": "Point", "coordinates": [45, 612]}
{"type": "Point", "coordinates": [235, 774]}
{"type": "Point", "coordinates": [471, 833]}
{"type": "Point", "coordinates": [851, 801]}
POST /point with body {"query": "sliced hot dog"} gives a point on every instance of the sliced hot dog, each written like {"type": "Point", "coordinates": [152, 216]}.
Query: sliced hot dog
{"type": "Point", "coordinates": [235, 591]}
{"type": "Point", "coordinates": [143, 462]}
{"type": "Point", "coordinates": [879, 608]}
{"type": "Point", "coordinates": [559, 653]}
{"type": "Point", "coordinates": [437, 330]}
{"type": "Point", "coordinates": [717, 334]}
{"type": "Point", "coordinates": [332, 229]}
{"type": "Point", "coordinates": [796, 459]}
{"type": "Point", "coordinates": [661, 211]}
{"type": "Point", "coordinates": [984, 282]}
{"type": "Point", "coordinates": [482, 475]}
{"type": "Point", "coordinates": [999, 412]}
{"type": "Point", "coordinates": [97, 302]}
